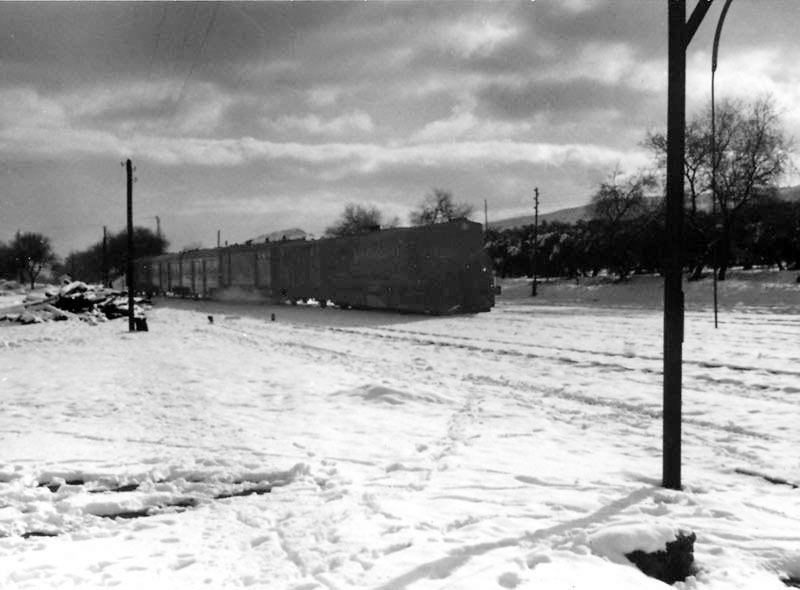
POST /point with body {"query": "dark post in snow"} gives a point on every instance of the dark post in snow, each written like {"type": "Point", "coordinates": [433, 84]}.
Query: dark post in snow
{"type": "Point", "coordinates": [535, 238]}
{"type": "Point", "coordinates": [680, 33]}
{"type": "Point", "coordinates": [129, 278]}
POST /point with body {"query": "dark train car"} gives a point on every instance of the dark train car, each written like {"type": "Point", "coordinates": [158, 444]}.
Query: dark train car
{"type": "Point", "coordinates": [435, 269]}
{"type": "Point", "coordinates": [193, 273]}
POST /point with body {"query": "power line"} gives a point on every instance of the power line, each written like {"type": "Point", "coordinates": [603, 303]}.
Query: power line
{"type": "Point", "coordinates": [158, 42]}
{"type": "Point", "coordinates": [199, 51]}
{"type": "Point", "coordinates": [189, 28]}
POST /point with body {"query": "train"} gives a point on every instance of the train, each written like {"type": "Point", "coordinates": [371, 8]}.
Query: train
{"type": "Point", "coordinates": [435, 269]}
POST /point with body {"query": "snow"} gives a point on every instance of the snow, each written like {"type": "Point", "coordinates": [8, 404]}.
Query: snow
{"type": "Point", "coordinates": [519, 448]}
{"type": "Point", "coordinates": [615, 541]}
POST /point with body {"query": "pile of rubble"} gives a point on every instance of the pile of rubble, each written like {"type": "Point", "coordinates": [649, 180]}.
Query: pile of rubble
{"type": "Point", "coordinates": [74, 300]}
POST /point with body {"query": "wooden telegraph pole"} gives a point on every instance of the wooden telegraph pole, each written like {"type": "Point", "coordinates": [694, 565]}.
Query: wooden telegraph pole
{"type": "Point", "coordinates": [680, 33]}
{"type": "Point", "coordinates": [535, 238]}
{"type": "Point", "coordinates": [129, 277]}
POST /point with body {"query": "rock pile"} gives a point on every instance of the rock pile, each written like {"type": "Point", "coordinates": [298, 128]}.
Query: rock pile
{"type": "Point", "coordinates": [74, 300]}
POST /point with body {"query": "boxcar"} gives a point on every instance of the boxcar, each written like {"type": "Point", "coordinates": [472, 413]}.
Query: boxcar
{"type": "Point", "coordinates": [431, 269]}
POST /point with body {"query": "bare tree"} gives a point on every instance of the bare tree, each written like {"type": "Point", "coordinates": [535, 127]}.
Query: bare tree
{"type": "Point", "coordinates": [751, 154]}
{"type": "Point", "coordinates": [31, 252]}
{"type": "Point", "coordinates": [616, 202]}
{"type": "Point", "coordinates": [439, 207]}
{"type": "Point", "coordinates": [356, 220]}
{"type": "Point", "coordinates": [620, 198]}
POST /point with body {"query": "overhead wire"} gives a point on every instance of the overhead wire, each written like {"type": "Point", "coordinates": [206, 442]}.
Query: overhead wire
{"type": "Point", "coordinates": [158, 42]}
{"type": "Point", "coordinates": [156, 97]}
{"type": "Point", "coordinates": [199, 51]}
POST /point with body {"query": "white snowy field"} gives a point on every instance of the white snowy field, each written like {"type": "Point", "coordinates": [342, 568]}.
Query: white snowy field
{"type": "Point", "coordinates": [519, 448]}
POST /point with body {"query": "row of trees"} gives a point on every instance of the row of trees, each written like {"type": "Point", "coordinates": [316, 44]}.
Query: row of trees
{"type": "Point", "coordinates": [733, 212]}
{"type": "Point", "coordinates": [92, 264]}
{"type": "Point", "coordinates": [30, 253]}
{"type": "Point", "coordinates": [766, 233]}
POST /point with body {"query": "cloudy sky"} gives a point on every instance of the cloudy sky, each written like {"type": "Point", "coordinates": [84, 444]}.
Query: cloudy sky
{"type": "Point", "coordinates": [255, 117]}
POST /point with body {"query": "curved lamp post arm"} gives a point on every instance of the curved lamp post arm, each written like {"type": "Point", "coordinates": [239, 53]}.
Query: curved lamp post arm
{"type": "Point", "coordinates": [717, 34]}
{"type": "Point", "coordinates": [714, 54]}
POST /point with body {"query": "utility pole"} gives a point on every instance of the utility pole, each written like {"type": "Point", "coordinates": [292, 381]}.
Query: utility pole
{"type": "Point", "coordinates": [679, 33]}
{"type": "Point", "coordinates": [129, 278]}
{"type": "Point", "coordinates": [535, 238]}
{"type": "Point", "coordinates": [105, 257]}
{"type": "Point", "coordinates": [485, 215]}
{"type": "Point", "coordinates": [217, 238]}
{"type": "Point", "coordinates": [158, 226]}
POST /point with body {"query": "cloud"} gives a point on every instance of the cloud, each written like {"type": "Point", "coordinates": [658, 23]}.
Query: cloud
{"type": "Point", "coordinates": [479, 35]}
{"type": "Point", "coordinates": [356, 121]}
{"type": "Point", "coordinates": [323, 95]}
{"type": "Point", "coordinates": [24, 106]}
{"type": "Point", "coordinates": [580, 6]}
{"type": "Point", "coordinates": [138, 106]}
{"type": "Point", "coordinates": [746, 75]}
{"type": "Point", "coordinates": [463, 123]}
{"type": "Point", "coordinates": [53, 137]}
{"type": "Point", "coordinates": [563, 97]}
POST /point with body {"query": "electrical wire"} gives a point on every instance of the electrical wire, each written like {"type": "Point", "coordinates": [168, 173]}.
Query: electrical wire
{"type": "Point", "coordinates": [158, 42]}
{"type": "Point", "coordinates": [199, 51]}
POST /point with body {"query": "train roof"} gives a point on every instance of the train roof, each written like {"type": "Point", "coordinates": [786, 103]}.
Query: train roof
{"type": "Point", "coordinates": [432, 228]}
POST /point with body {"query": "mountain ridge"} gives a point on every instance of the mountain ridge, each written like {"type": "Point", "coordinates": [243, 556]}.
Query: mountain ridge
{"type": "Point", "coordinates": [575, 214]}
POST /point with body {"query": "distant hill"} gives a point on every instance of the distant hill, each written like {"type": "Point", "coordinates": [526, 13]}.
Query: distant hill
{"type": "Point", "coordinates": [574, 214]}
{"type": "Point", "coordinates": [569, 215]}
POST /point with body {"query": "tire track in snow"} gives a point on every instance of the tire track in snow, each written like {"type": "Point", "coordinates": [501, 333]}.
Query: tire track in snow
{"type": "Point", "coordinates": [464, 343]}
{"type": "Point", "coordinates": [433, 339]}
{"type": "Point", "coordinates": [638, 409]}
{"type": "Point", "coordinates": [656, 358]}
{"type": "Point", "coordinates": [437, 340]}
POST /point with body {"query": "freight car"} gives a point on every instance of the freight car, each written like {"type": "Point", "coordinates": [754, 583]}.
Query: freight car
{"type": "Point", "coordinates": [436, 269]}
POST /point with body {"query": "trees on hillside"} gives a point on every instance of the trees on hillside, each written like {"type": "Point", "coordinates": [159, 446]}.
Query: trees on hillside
{"type": "Point", "coordinates": [439, 207]}
{"type": "Point", "coordinates": [751, 154]}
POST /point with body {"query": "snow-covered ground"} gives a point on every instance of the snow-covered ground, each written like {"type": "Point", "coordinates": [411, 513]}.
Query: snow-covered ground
{"type": "Point", "coordinates": [519, 448]}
